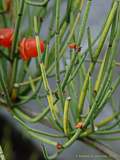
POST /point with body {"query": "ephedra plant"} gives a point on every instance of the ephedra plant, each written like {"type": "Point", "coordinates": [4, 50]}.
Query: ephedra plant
{"type": "Point", "coordinates": [71, 86]}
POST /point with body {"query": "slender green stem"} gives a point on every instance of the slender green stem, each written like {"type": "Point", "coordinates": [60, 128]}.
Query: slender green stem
{"type": "Point", "coordinates": [17, 29]}
{"type": "Point", "coordinates": [31, 119]}
{"type": "Point", "coordinates": [90, 44]}
{"type": "Point", "coordinates": [4, 87]}
{"type": "Point", "coordinates": [108, 132]}
{"type": "Point", "coordinates": [84, 21]}
{"type": "Point", "coordinates": [13, 68]}
{"type": "Point", "coordinates": [38, 4]}
{"type": "Point", "coordinates": [66, 117]}
{"type": "Point", "coordinates": [42, 139]}
{"type": "Point", "coordinates": [57, 60]}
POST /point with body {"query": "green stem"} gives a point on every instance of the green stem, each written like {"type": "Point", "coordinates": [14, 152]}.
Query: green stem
{"type": "Point", "coordinates": [14, 46]}
{"type": "Point", "coordinates": [37, 4]}
{"type": "Point", "coordinates": [84, 21]}
{"type": "Point", "coordinates": [57, 60]}
{"type": "Point", "coordinates": [17, 29]}
{"type": "Point", "coordinates": [4, 87]}
{"type": "Point", "coordinates": [66, 116]}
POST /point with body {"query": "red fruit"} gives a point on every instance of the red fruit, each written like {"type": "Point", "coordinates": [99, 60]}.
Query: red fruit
{"type": "Point", "coordinates": [6, 36]}
{"type": "Point", "coordinates": [28, 48]}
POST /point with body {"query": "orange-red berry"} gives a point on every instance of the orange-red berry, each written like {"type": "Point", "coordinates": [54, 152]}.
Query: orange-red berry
{"type": "Point", "coordinates": [6, 36]}
{"type": "Point", "coordinates": [28, 48]}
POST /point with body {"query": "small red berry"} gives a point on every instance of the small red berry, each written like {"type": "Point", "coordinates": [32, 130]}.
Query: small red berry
{"type": "Point", "coordinates": [79, 125]}
{"type": "Point", "coordinates": [6, 36]}
{"type": "Point", "coordinates": [59, 146]}
{"type": "Point", "coordinates": [28, 48]}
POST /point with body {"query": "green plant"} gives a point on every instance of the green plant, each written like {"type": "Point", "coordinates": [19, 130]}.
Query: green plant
{"type": "Point", "coordinates": [75, 82]}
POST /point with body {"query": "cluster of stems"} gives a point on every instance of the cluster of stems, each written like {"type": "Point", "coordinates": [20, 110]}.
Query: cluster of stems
{"type": "Point", "coordinates": [80, 94]}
